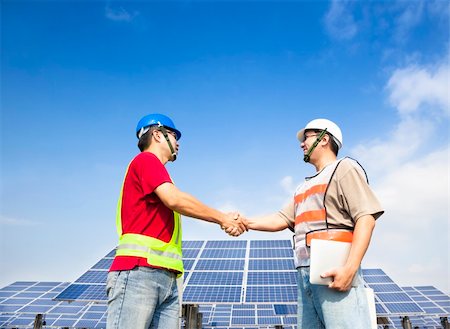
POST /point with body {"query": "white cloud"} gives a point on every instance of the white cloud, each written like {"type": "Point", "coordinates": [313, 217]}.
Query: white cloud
{"type": "Point", "coordinates": [412, 87]}
{"type": "Point", "coordinates": [288, 185]}
{"type": "Point", "coordinates": [408, 19]}
{"type": "Point", "coordinates": [339, 21]}
{"type": "Point", "coordinates": [393, 148]}
{"type": "Point", "coordinates": [412, 179]}
{"type": "Point", "coordinates": [119, 14]}
{"type": "Point", "coordinates": [227, 207]}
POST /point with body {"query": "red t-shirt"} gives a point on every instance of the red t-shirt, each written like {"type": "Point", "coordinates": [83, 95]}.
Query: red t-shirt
{"type": "Point", "coordinates": [142, 211]}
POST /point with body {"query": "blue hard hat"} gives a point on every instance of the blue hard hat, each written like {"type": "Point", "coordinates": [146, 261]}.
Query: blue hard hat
{"type": "Point", "coordinates": [156, 119]}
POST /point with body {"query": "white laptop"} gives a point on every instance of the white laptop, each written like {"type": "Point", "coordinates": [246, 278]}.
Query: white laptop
{"type": "Point", "coordinates": [326, 255]}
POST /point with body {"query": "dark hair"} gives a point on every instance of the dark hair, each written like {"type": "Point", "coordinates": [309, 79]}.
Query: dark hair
{"type": "Point", "coordinates": [146, 139]}
{"type": "Point", "coordinates": [334, 146]}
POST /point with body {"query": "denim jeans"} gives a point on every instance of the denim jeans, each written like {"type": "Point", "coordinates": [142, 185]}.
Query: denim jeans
{"type": "Point", "coordinates": [142, 298]}
{"type": "Point", "coordinates": [321, 307]}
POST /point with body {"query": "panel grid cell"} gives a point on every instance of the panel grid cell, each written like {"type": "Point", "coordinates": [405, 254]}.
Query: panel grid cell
{"type": "Point", "coordinates": [271, 253]}
{"type": "Point", "coordinates": [271, 278]}
{"type": "Point", "coordinates": [373, 271]}
{"type": "Point", "coordinates": [206, 294]}
{"type": "Point", "coordinates": [267, 244]}
{"type": "Point", "coordinates": [257, 294]}
{"type": "Point", "coordinates": [103, 264]}
{"type": "Point", "coordinates": [243, 320]}
{"type": "Point", "coordinates": [394, 297]}
{"type": "Point", "coordinates": [192, 244]}
{"type": "Point", "coordinates": [248, 313]}
{"type": "Point", "coordinates": [216, 278]}
{"type": "Point", "coordinates": [377, 279]}
{"type": "Point", "coordinates": [390, 287]}
{"type": "Point", "coordinates": [92, 276]}
{"type": "Point", "coordinates": [111, 254]}
{"type": "Point", "coordinates": [223, 253]}
{"type": "Point", "coordinates": [270, 265]}
{"type": "Point", "coordinates": [226, 244]}
{"type": "Point", "coordinates": [190, 253]}
{"type": "Point", "coordinates": [220, 265]}
{"type": "Point", "coordinates": [83, 292]}
{"type": "Point", "coordinates": [403, 308]}
{"type": "Point", "coordinates": [187, 263]}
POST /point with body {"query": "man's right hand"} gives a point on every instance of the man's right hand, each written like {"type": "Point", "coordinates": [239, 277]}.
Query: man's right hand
{"type": "Point", "coordinates": [234, 224]}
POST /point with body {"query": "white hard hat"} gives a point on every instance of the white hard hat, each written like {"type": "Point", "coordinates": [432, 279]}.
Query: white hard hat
{"type": "Point", "coordinates": [321, 124]}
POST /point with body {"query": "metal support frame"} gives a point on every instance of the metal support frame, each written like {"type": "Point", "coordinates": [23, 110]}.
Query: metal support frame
{"type": "Point", "coordinates": [406, 323]}
{"type": "Point", "coordinates": [192, 317]}
{"type": "Point", "coordinates": [38, 321]}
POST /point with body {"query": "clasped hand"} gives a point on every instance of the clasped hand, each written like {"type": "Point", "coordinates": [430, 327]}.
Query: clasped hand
{"type": "Point", "coordinates": [234, 224]}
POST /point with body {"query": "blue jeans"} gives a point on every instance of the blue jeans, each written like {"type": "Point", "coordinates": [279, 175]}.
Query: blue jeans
{"type": "Point", "coordinates": [321, 307]}
{"type": "Point", "coordinates": [142, 298]}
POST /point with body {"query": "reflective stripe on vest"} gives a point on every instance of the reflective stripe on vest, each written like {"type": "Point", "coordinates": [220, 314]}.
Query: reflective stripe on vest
{"type": "Point", "coordinates": [158, 253]}
{"type": "Point", "coordinates": [310, 212]}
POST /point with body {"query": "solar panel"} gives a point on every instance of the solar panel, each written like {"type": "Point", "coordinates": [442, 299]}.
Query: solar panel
{"type": "Point", "coordinates": [17, 312]}
{"type": "Point", "coordinates": [433, 301]}
{"type": "Point", "coordinates": [390, 299]}
{"type": "Point", "coordinates": [83, 292]}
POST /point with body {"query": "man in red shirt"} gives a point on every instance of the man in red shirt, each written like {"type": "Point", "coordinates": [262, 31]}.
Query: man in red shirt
{"type": "Point", "coordinates": [141, 285]}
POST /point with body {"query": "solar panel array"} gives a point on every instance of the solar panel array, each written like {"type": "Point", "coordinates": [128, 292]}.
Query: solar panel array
{"type": "Point", "coordinates": [21, 301]}
{"type": "Point", "coordinates": [248, 316]}
{"type": "Point", "coordinates": [430, 299]}
{"type": "Point", "coordinates": [390, 299]}
{"type": "Point", "coordinates": [239, 272]}
{"type": "Point", "coordinates": [237, 283]}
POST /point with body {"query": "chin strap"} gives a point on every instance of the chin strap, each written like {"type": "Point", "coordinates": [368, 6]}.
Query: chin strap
{"type": "Point", "coordinates": [164, 132]}
{"type": "Point", "coordinates": [307, 156]}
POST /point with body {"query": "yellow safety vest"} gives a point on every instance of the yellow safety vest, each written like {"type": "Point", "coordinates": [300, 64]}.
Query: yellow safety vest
{"type": "Point", "coordinates": [158, 253]}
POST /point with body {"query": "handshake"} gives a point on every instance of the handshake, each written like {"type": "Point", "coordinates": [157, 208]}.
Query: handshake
{"type": "Point", "coordinates": [234, 224]}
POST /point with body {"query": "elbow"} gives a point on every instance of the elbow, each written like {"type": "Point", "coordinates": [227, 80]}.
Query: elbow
{"type": "Point", "coordinates": [172, 203]}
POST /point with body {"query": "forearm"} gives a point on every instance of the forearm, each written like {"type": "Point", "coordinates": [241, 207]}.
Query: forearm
{"type": "Point", "coordinates": [269, 223]}
{"type": "Point", "coordinates": [188, 205]}
{"type": "Point", "coordinates": [361, 240]}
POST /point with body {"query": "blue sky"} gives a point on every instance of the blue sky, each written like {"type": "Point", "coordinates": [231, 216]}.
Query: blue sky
{"type": "Point", "coordinates": [239, 78]}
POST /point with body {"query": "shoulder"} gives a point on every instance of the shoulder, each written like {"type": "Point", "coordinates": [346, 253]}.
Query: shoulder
{"type": "Point", "coordinates": [350, 166]}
